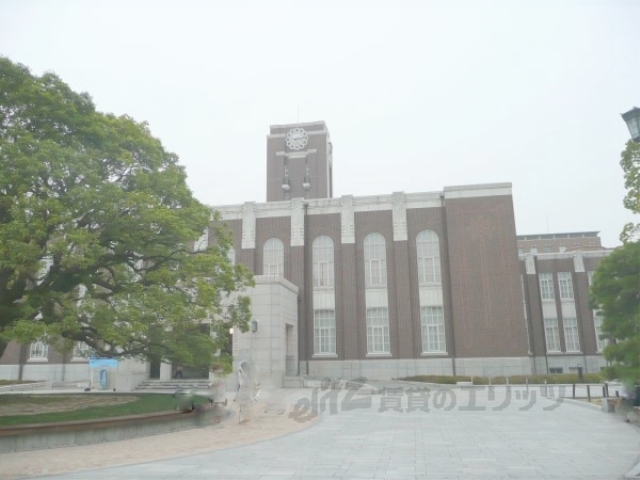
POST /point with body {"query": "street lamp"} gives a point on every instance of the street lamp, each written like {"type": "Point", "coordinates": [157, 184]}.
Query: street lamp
{"type": "Point", "coordinates": [632, 118]}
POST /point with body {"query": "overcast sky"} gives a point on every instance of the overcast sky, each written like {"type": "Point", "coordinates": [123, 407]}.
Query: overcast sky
{"type": "Point", "coordinates": [417, 95]}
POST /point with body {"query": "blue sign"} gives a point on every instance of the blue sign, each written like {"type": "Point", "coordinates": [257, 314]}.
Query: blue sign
{"type": "Point", "coordinates": [95, 362]}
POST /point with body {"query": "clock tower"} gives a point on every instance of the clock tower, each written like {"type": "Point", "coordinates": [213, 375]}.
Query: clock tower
{"type": "Point", "coordinates": [299, 162]}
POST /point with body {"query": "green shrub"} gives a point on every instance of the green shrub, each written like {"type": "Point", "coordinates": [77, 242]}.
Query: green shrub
{"type": "Point", "coordinates": [442, 379]}
{"type": "Point", "coordinates": [16, 382]}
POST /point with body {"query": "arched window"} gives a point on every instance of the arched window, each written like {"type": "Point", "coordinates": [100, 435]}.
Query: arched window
{"type": "Point", "coordinates": [273, 261]}
{"type": "Point", "coordinates": [375, 261]}
{"type": "Point", "coordinates": [428, 258]}
{"type": "Point", "coordinates": [323, 262]}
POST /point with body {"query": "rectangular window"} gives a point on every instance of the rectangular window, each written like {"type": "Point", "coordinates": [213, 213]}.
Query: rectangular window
{"type": "Point", "coordinates": [272, 269]}
{"type": "Point", "coordinates": [552, 335]}
{"type": "Point", "coordinates": [376, 272]}
{"type": "Point", "coordinates": [566, 285]}
{"type": "Point", "coordinates": [39, 350]}
{"type": "Point", "coordinates": [534, 250]}
{"type": "Point", "coordinates": [377, 330]}
{"type": "Point", "coordinates": [555, 370]}
{"type": "Point", "coordinates": [81, 350]}
{"type": "Point", "coordinates": [571, 339]}
{"type": "Point", "coordinates": [546, 286]}
{"type": "Point", "coordinates": [324, 338]}
{"type": "Point", "coordinates": [429, 270]}
{"type": "Point", "coordinates": [433, 333]}
{"type": "Point", "coordinates": [547, 249]}
{"type": "Point", "coordinates": [600, 342]}
{"type": "Point", "coordinates": [323, 274]}
{"type": "Point", "coordinates": [590, 277]}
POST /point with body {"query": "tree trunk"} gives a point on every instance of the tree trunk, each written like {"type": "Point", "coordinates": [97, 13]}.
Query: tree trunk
{"type": "Point", "coordinates": [3, 345]}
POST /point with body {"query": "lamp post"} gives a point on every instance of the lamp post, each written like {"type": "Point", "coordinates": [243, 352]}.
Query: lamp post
{"type": "Point", "coordinates": [632, 119]}
{"type": "Point", "coordinates": [580, 376]}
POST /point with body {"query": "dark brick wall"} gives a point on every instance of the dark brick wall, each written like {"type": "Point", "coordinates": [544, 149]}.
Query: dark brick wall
{"type": "Point", "coordinates": [485, 284]}
{"type": "Point", "coordinates": [317, 162]}
{"type": "Point", "coordinates": [11, 354]}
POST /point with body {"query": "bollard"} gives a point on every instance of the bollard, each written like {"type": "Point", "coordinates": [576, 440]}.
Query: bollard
{"type": "Point", "coordinates": [574, 390]}
{"type": "Point", "coordinates": [589, 393]}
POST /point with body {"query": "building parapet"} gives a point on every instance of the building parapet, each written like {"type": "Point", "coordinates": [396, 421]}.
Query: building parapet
{"type": "Point", "coordinates": [273, 279]}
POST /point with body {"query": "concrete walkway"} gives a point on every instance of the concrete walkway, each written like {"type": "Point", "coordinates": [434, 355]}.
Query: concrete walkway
{"type": "Point", "coordinates": [458, 433]}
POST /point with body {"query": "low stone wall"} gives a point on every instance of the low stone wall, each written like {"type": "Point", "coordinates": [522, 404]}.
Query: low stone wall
{"type": "Point", "coordinates": [86, 432]}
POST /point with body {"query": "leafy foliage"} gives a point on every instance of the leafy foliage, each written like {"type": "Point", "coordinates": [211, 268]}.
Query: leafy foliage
{"type": "Point", "coordinates": [616, 294]}
{"type": "Point", "coordinates": [630, 163]}
{"type": "Point", "coordinates": [96, 233]}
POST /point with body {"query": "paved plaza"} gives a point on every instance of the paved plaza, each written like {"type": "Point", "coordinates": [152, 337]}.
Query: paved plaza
{"type": "Point", "coordinates": [406, 434]}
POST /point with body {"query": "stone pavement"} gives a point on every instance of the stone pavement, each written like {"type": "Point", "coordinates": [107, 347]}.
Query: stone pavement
{"type": "Point", "coordinates": [448, 434]}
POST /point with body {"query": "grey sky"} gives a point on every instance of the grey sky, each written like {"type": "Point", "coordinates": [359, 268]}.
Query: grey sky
{"type": "Point", "coordinates": [417, 95]}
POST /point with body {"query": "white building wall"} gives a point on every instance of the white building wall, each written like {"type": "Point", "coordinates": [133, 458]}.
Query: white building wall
{"type": "Point", "coordinates": [274, 303]}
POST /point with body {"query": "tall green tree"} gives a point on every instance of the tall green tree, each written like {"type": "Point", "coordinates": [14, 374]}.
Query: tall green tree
{"type": "Point", "coordinates": [630, 163]}
{"type": "Point", "coordinates": [615, 293]}
{"type": "Point", "coordinates": [97, 227]}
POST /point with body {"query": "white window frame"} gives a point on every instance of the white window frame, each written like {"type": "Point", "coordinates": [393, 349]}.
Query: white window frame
{"type": "Point", "coordinates": [552, 335]}
{"type": "Point", "coordinates": [590, 274]}
{"type": "Point", "coordinates": [433, 330]}
{"type": "Point", "coordinates": [546, 286]}
{"type": "Point", "coordinates": [39, 351]}
{"type": "Point", "coordinates": [378, 331]}
{"type": "Point", "coordinates": [273, 257]}
{"type": "Point", "coordinates": [428, 253]}
{"type": "Point", "coordinates": [324, 332]}
{"type": "Point", "coordinates": [565, 283]}
{"type": "Point", "coordinates": [375, 261]}
{"type": "Point", "coordinates": [323, 264]}
{"type": "Point", "coordinates": [601, 343]}
{"type": "Point", "coordinates": [81, 351]}
{"type": "Point", "coordinates": [571, 334]}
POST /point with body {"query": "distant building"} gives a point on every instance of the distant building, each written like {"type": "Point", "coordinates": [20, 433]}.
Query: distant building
{"type": "Point", "coordinates": [558, 242]}
{"type": "Point", "coordinates": [397, 284]}
{"type": "Point", "coordinates": [564, 332]}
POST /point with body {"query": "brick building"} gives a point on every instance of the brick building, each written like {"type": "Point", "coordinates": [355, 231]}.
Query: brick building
{"type": "Point", "coordinates": [399, 284]}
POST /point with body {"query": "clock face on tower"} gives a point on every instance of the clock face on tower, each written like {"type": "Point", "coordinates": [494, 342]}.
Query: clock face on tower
{"type": "Point", "coordinates": [297, 138]}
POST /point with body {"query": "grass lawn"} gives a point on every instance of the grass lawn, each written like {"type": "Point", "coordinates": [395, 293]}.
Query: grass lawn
{"type": "Point", "coordinates": [83, 406]}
